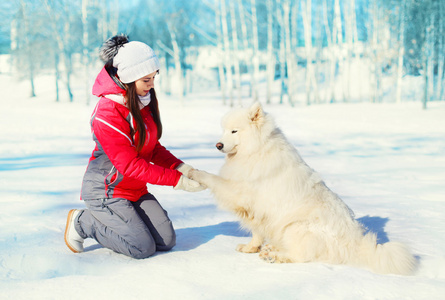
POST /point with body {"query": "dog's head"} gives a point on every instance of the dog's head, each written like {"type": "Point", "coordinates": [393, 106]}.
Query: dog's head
{"type": "Point", "coordinates": [244, 130]}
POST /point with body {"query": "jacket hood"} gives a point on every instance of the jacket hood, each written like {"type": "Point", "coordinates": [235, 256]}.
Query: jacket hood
{"type": "Point", "coordinates": [105, 85]}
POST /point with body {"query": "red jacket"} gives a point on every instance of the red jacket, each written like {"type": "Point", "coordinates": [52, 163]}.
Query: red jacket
{"type": "Point", "coordinates": [116, 169]}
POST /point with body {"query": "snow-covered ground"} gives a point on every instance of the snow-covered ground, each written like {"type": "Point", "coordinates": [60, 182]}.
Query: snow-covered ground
{"type": "Point", "coordinates": [386, 161]}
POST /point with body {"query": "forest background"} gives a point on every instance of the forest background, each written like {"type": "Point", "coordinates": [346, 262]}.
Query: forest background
{"type": "Point", "coordinates": [309, 49]}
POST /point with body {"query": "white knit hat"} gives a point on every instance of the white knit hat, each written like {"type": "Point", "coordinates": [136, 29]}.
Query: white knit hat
{"type": "Point", "coordinates": [135, 60]}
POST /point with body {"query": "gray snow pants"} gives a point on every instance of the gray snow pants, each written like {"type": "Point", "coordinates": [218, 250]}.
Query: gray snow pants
{"type": "Point", "coordinates": [136, 229]}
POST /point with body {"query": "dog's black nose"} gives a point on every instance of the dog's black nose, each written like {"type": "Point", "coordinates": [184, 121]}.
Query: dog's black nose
{"type": "Point", "coordinates": [219, 146]}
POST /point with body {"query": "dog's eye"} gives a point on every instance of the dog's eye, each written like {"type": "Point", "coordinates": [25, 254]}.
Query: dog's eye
{"type": "Point", "coordinates": [234, 131]}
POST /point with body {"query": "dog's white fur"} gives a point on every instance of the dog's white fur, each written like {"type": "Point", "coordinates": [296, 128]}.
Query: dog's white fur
{"type": "Point", "coordinates": [283, 202]}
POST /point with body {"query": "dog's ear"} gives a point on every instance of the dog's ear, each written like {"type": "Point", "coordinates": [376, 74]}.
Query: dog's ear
{"type": "Point", "coordinates": [256, 113]}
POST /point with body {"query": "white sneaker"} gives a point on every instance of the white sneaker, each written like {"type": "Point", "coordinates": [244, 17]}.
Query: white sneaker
{"type": "Point", "coordinates": [72, 239]}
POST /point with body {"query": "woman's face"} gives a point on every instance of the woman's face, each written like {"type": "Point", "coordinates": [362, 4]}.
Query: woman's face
{"type": "Point", "coordinates": [145, 84]}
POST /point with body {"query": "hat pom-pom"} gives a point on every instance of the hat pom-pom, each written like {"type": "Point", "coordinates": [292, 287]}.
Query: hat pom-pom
{"type": "Point", "coordinates": [111, 46]}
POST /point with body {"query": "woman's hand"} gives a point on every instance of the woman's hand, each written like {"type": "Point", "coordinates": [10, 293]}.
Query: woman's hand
{"type": "Point", "coordinates": [188, 185]}
{"type": "Point", "coordinates": [184, 169]}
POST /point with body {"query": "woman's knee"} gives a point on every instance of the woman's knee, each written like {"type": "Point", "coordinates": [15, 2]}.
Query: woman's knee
{"type": "Point", "coordinates": [142, 251]}
{"type": "Point", "coordinates": [168, 242]}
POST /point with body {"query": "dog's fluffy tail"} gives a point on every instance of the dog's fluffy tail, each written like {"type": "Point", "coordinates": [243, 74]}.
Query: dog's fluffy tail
{"type": "Point", "coordinates": [388, 258]}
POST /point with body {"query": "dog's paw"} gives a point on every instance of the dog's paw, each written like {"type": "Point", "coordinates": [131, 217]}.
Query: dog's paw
{"type": "Point", "coordinates": [248, 248]}
{"type": "Point", "coordinates": [268, 256]}
{"type": "Point", "coordinates": [274, 257]}
{"type": "Point", "coordinates": [265, 251]}
{"type": "Point", "coordinates": [267, 248]}
{"type": "Point", "coordinates": [198, 175]}
{"type": "Point", "coordinates": [271, 254]}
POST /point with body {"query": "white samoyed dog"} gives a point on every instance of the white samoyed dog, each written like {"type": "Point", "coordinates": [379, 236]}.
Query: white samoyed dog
{"type": "Point", "coordinates": [286, 204]}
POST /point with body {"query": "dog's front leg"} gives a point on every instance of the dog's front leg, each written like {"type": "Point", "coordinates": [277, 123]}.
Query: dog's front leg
{"type": "Point", "coordinates": [253, 246]}
{"type": "Point", "coordinates": [225, 191]}
{"type": "Point", "coordinates": [204, 178]}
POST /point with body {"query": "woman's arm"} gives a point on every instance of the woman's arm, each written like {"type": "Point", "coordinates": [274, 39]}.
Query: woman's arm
{"type": "Point", "coordinates": [112, 132]}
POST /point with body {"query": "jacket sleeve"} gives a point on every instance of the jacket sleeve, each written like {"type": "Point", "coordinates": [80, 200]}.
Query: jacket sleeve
{"type": "Point", "coordinates": [112, 132]}
{"type": "Point", "coordinates": [162, 157]}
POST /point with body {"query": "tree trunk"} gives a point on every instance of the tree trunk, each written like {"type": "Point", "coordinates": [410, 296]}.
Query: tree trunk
{"type": "Point", "coordinates": [431, 55]}
{"type": "Point", "coordinates": [338, 42]}
{"type": "Point", "coordinates": [282, 51]}
{"type": "Point", "coordinates": [330, 54]}
{"type": "Point", "coordinates": [375, 49]}
{"type": "Point", "coordinates": [178, 67]}
{"type": "Point", "coordinates": [290, 61]}
{"type": "Point", "coordinates": [59, 52]}
{"type": "Point", "coordinates": [68, 60]}
{"type": "Point", "coordinates": [227, 55]}
{"type": "Point", "coordinates": [243, 24]}
{"type": "Point", "coordinates": [270, 72]}
{"type": "Point", "coordinates": [401, 52]}
{"type": "Point", "coordinates": [28, 48]}
{"type": "Point", "coordinates": [441, 54]}
{"type": "Point", "coordinates": [235, 56]}
{"type": "Point", "coordinates": [57, 74]}
{"type": "Point", "coordinates": [349, 16]}
{"type": "Point", "coordinates": [222, 77]}
{"type": "Point", "coordinates": [311, 82]}
{"type": "Point", "coordinates": [427, 61]}
{"type": "Point", "coordinates": [85, 39]}
{"type": "Point", "coordinates": [255, 58]}
{"type": "Point", "coordinates": [426, 84]}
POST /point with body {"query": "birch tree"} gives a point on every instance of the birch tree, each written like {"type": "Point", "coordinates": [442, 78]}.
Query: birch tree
{"type": "Point", "coordinates": [311, 81]}
{"type": "Point", "coordinates": [57, 45]}
{"type": "Point", "coordinates": [85, 41]}
{"type": "Point", "coordinates": [330, 72]}
{"type": "Point", "coordinates": [219, 37]}
{"type": "Point", "coordinates": [227, 52]}
{"type": "Point", "coordinates": [255, 53]}
{"type": "Point", "coordinates": [235, 52]}
{"type": "Point", "coordinates": [290, 59]}
{"type": "Point", "coordinates": [245, 42]}
{"type": "Point", "coordinates": [68, 56]}
{"type": "Point", "coordinates": [441, 53]}
{"type": "Point", "coordinates": [282, 50]}
{"type": "Point", "coordinates": [428, 59]}
{"type": "Point", "coordinates": [350, 39]}
{"type": "Point", "coordinates": [401, 51]}
{"type": "Point", "coordinates": [24, 49]}
{"type": "Point", "coordinates": [177, 60]}
{"type": "Point", "coordinates": [373, 32]}
{"type": "Point", "coordinates": [270, 71]}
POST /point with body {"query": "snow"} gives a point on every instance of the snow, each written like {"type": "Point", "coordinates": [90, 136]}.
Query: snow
{"type": "Point", "coordinates": [387, 161]}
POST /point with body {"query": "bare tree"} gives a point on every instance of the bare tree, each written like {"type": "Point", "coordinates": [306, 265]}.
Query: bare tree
{"type": "Point", "coordinates": [227, 51]}
{"type": "Point", "coordinates": [270, 51]}
{"type": "Point", "coordinates": [255, 53]}
{"type": "Point", "coordinates": [282, 50]}
{"type": "Point", "coordinates": [401, 51]}
{"type": "Point", "coordinates": [290, 58]}
{"type": "Point", "coordinates": [245, 41]}
{"type": "Point", "coordinates": [24, 47]}
{"type": "Point", "coordinates": [235, 58]}
{"type": "Point", "coordinates": [441, 53]}
{"type": "Point", "coordinates": [219, 37]}
{"type": "Point", "coordinates": [311, 81]}
{"type": "Point", "coordinates": [85, 42]}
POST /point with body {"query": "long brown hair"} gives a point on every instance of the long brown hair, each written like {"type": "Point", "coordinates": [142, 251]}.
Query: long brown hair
{"type": "Point", "coordinates": [133, 103]}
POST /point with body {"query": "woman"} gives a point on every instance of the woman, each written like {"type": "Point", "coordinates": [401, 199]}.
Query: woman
{"type": "Point", "coordinates": [121, 215]}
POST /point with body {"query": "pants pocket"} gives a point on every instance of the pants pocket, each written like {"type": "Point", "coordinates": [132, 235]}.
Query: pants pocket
{"type": "Point", "coordinates": [113, 207]}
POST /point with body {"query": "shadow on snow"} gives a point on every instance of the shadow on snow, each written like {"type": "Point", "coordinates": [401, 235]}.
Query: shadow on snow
{"type": "Point", "coordinates": [193, 237]}
{"type": "Point", "coordinates": [375, 225]}
{"type": "Point", "coordinates": [43, 161]}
